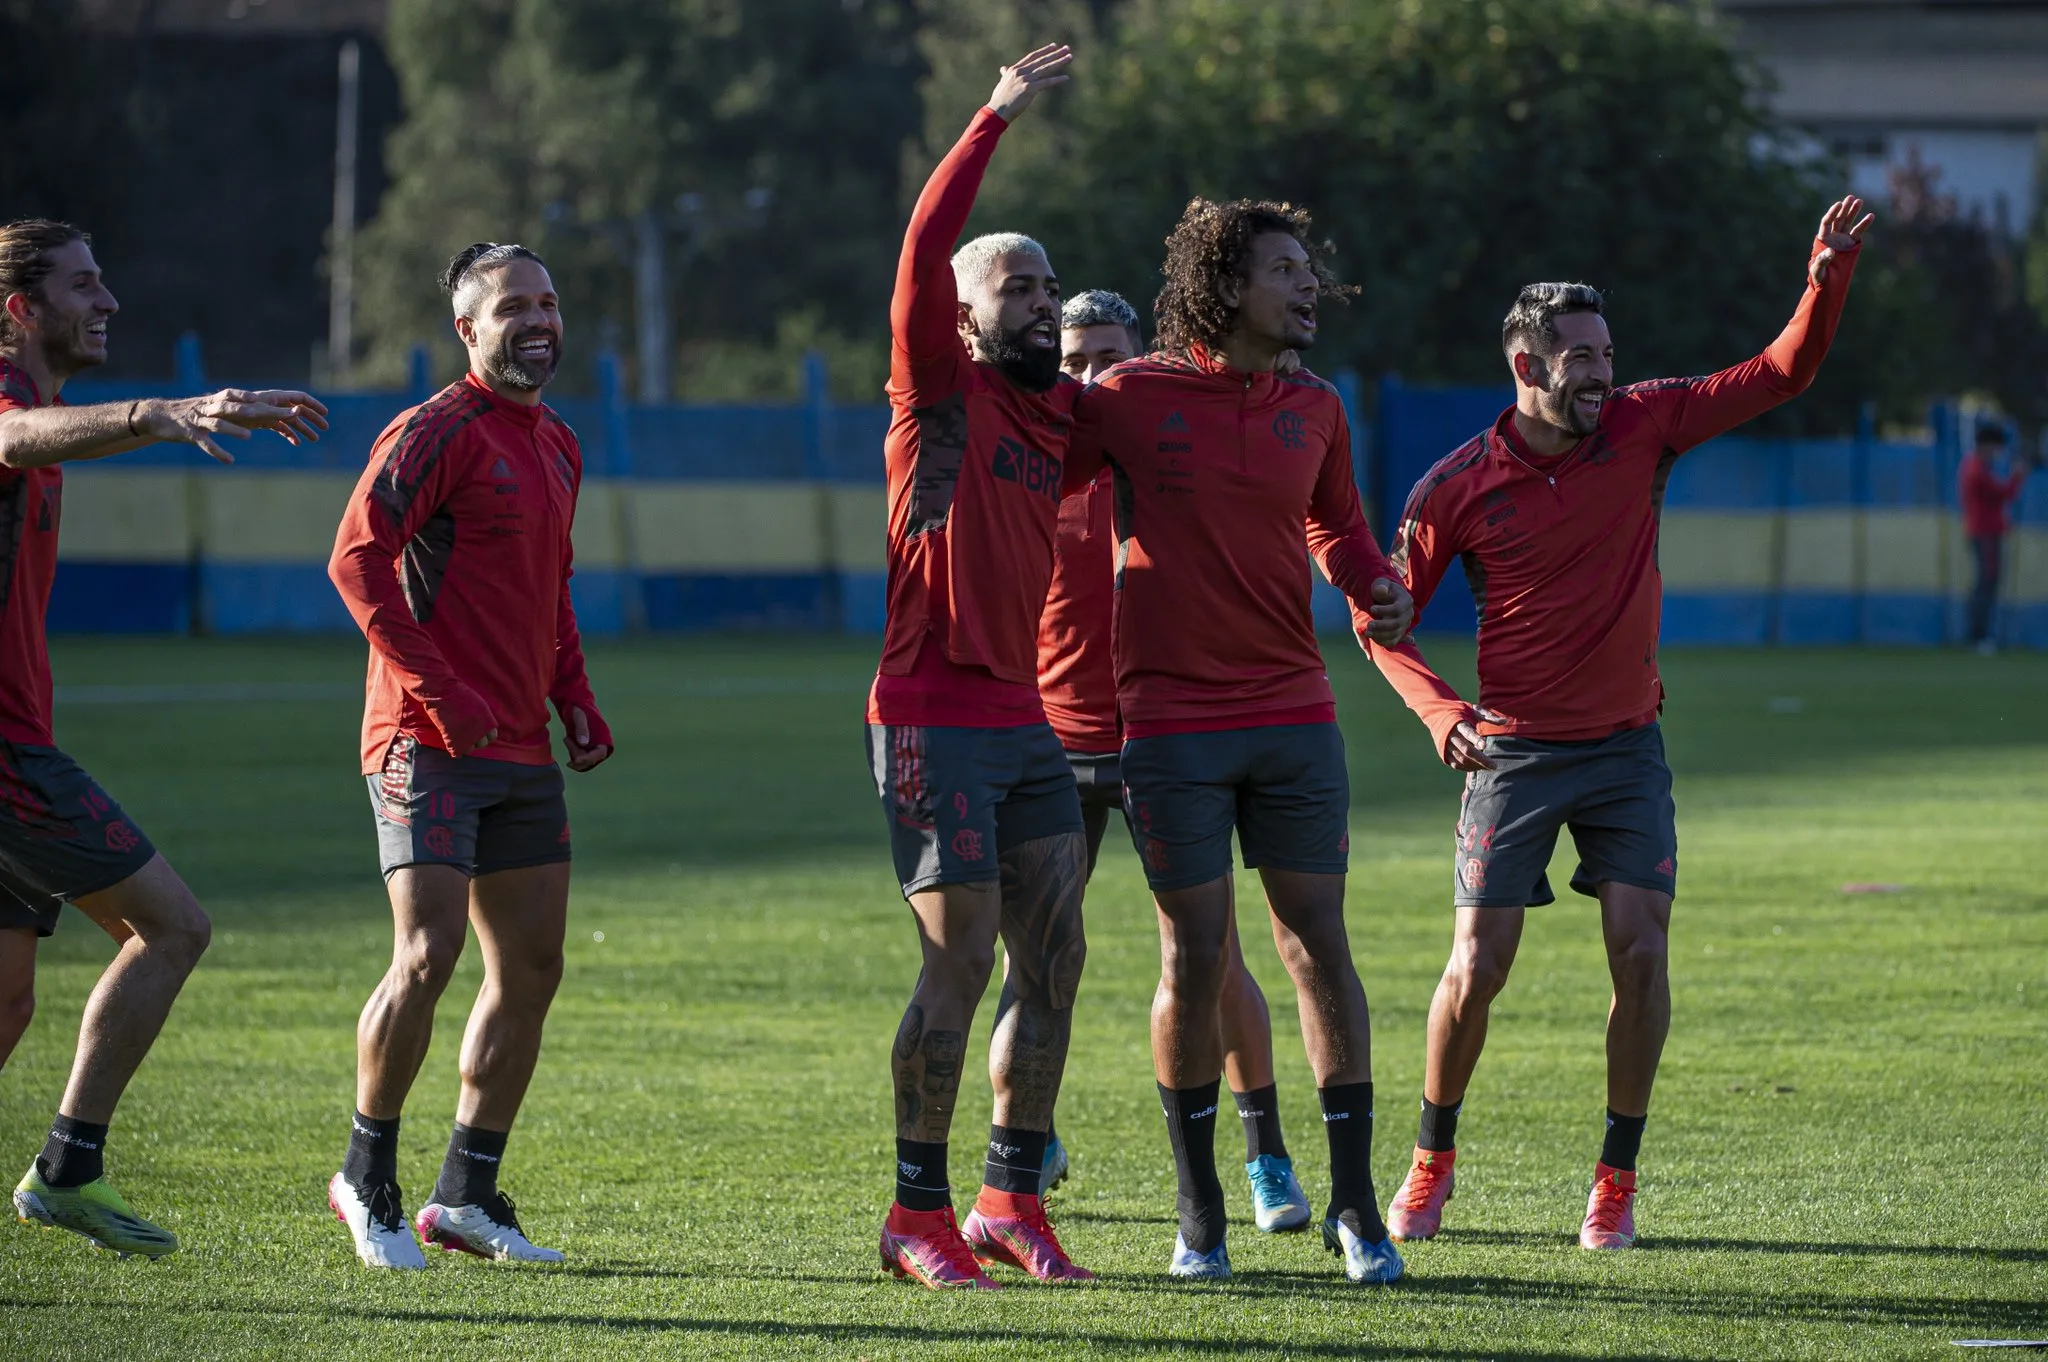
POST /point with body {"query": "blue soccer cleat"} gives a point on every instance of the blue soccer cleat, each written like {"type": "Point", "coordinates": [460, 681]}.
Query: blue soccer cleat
{"type": "Point", "coordinates": [1278, 1203]}
{"type": "Point", "coordinates": [1053, 1171]}
{"type": "Point", "coordinates": [1370, 1264]}
{"type": "Point", "coordinates": [1213, 1266]}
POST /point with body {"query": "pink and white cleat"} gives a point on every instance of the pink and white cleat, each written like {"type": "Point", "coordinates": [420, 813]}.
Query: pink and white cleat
{"type": "Point", "coordinates": [926, 1247]}
{"type": "Point", "coordinates": [1417, 1210]}
{"type": "Point", "coordinates": [489, 1229]}
{"type": "Point", "coordinates": [1008, 1228]}
{"type": "Point", "coordinates": [1610, 1210]}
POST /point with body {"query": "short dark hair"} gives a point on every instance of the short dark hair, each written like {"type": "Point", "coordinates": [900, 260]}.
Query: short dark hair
{"type": "Point", "coordinates": [1213, 242]}
{"type": "Point", "coordinates": [1532, 322]}
{"type": "Point", "coordinates": [25, 247]}
{"type": "Point", "coordinates": [1990, 433]}
{"type": "Point", "coordinates": [474, 261]}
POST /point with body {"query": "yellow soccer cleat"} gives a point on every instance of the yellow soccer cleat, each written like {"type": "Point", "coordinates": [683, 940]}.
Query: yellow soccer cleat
{"type": "Point", "coordinates": [94, 1210]}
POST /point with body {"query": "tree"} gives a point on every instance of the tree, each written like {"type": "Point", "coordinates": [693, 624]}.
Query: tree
{"type": "Point", "coordinates": [763, 135]}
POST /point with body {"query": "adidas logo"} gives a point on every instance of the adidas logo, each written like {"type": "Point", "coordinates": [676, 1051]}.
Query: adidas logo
{"type": "Point", "coordinates": [909, 1170]}
{"type": "Point", "coordinates": [1667, 866]}
{"type": "Point", "coordinates": [1330, 1116]}
{"type": "Point", "coordinates": [1175, 422]}
{"type": "Point", "coordinates": [1005, 1151]}
{"type": "Point", "coordinates": [501, 469]}
{"type": "Point", "coordinates": [480, 1158]}
{"type": "Point", "coordinates": [1211, 1111]}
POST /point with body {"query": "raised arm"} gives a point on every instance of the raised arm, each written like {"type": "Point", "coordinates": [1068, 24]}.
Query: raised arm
{"type": "Point", "coordinates": [36, 437]}
{"type": "Point", "coordinates": [405, 483]}
{"type": "Point", "coordinates": [1341, 541]}
{"type": "Point", "coordinates": [1421, 555]}
{"type": "Point", "coordinates": [924, 311]}
{"type": "Point", "coordinates": [1693, 411]}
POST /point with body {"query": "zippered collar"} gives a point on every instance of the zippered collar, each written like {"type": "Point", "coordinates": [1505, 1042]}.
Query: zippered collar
{"type": "Point", "coordinates": [1506, 447]}
{"type": "Point", "coordinates": [1212, 363]}
{"type": "Point", "coordinates": [505, 406]}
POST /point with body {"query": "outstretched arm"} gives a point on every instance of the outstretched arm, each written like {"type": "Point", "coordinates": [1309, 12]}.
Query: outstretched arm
{"type": "Point", "coordinates": [924, 312]}
{"type": "Point", "coordinates": [36, 437]}
{"type": "Point", "coordinates": [1694, 411]}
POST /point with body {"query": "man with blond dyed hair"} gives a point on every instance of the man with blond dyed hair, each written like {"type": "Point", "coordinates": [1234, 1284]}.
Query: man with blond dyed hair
{"type": "Point", "coordinates": [984, 821]}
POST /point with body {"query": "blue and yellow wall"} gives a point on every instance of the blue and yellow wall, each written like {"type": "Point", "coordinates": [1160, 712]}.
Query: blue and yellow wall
{"type": "Point", "coordinates": [772, 518]}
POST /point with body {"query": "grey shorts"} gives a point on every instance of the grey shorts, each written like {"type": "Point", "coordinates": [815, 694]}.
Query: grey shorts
{"type": "Point", "coordinates": [958, 798]}
{"type": "Point", "coordinates": [476, 815]}
{"type": "Point", "coordinates": [1099, 777]}
{"type": "Point", "coordinates": [1613, 793]}
{"type": "Point", "coordinates": [61, 837]}
{"type": "Point", "coordinates": [1283, 789]}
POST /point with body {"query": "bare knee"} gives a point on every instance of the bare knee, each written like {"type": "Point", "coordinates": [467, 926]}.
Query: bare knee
{"type": "Point", "coordinates": [1638, 963]}
{"type": "Point", "coordinates": [1054, 978]}
{"type": "Point", "coordinates": [961, 971]}
{"type": "Point", "coordinates": [1477, 973]}
{"type": "Point", "coordinates": [424, 962]}
{"type": "Point", "coordinates": [17, 1010]}
{"type": "Point", "coordinates": [180, 937]}
{"type": "Point", "coordinates": [1191, 959]}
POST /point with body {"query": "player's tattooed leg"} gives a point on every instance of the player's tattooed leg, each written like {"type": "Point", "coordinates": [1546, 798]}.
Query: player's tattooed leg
{"type": "Point", "coordinates": [1042, 883]}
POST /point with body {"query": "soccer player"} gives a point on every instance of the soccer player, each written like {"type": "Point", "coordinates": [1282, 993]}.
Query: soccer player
{"type": "Point", "coordinates": [62, 838]}
{"type": "Point", "coordinates": [985, 825]}
{"type": "Point", "coordinates": [1554, 511]}
{"type": "Point", "coordinates": [453, 556]}
{"type": "Point", "coordinates": [1986, 498]}
{"type": "Point", "coordinates": [1227, 476]}
{"type": "Point", "coordinates": [1077, 677]}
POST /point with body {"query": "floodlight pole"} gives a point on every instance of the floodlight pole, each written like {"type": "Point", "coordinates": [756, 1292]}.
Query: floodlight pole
{"type": "Point", "coordinates": [341, 284]}
{"type": "Point", "coordinates": [650, 304]}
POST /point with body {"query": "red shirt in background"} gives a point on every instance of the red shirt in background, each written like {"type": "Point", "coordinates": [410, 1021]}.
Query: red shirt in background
{"type": "Point", "coordinates": [1561, 553]}
{"type": "Point", "coordinates": [1987, 498]}
{"type": "Point", "coordinates": [1076, 666]}
{"type": "Point", "coordinates": [974, 487]}
{"type": "Point", "coordinates": [31, 505]}
{"type": "Point", "coordinates": [1221, 477]}
{"type": "Point", "coordinates": [454, 558]}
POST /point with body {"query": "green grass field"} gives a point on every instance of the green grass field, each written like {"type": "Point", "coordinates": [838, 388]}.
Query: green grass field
{"type": "Point", "coordinates": [1845, 1157]}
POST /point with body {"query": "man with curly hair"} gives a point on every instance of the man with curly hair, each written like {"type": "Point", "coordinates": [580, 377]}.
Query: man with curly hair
{"type": "Point", "coordinates": [1224, 472]}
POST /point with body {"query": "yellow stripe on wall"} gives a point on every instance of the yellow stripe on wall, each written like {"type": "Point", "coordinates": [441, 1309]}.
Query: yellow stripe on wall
{"type": "Point", "coordinates": [727, 527]}
{"type": "Point", "coordinates": [1716, 550]}
{"type": "Point", "coordinates": [141, 515]}
{"type": "Point", "coordinates": [2026, 569]}
{"type": "Point", "coordinates": [860, 528]}
{"type": "Point", "coordinates": [272, 517]}
{"type": "Point", "coordinates": [1820, 551]}
{"type": "Point", "coordinates": [1903, 551]}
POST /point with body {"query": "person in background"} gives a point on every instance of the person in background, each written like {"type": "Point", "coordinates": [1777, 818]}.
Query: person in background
{"type": "Point", "coordinates": [1986, 498]}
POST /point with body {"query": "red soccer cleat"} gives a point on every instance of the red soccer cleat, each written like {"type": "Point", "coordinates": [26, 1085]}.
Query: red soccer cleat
{"type": "Point", "coordinates": [926, 1246]}
{"type": "Point", "coordinates": [1417, 1210]}
{"type": "Point", "coordinates": [1011, 1228]}
{"type": "Point", "coordinates": [1610, 1210]}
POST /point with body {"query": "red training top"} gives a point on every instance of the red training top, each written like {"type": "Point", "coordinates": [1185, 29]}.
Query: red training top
{"type": "Point", "coordinates": [1985, 496]}
{"type": "Point", "coordinates": [454, 558]}
{"type": "Point", "coordinates": [1561, 552]}
{"type": "Point", "coordinates": [974, 487]}
{"type": "Point", "coordinates": [1221, 477]}
{"type": "Point", "coordinates": [1076, 669]}
{"type": "Point", "coordinates": [31, 505]}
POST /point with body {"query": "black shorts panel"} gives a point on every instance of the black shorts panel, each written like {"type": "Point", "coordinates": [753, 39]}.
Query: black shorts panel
{"type": "Point", "coordinates": [1099, 778]}
{"type": "Point", "coordinates": [476, 815]}
{"type": "Point", "coordinates": [62, 837]}
{"type": "Point", "coordinates": [957, 798]}
{"type": "Point", "coordinates": [1284, 790]}
{"type": "Point", "coordinates": [1613, 794]}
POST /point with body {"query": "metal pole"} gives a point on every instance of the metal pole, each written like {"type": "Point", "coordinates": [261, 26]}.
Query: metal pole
{"type": "Point", "coordinates": [650, 305]}
{"type": "Point", "coordinates": [341, 274]}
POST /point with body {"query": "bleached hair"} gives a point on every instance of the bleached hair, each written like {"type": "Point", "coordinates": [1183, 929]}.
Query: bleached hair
{"type": "Point", "coordinates": [973, 262]}
{"type": "Point", "coordinates": [1099, 307]}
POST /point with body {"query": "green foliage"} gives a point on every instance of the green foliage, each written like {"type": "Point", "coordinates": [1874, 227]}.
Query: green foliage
{"type": "Point", "coordinates": [557, 121]}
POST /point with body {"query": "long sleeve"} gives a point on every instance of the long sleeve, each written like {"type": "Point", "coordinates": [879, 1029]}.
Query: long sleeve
{"type": "Point", "coordinates": [1085, 449]}
{"type": "Point", "coordinates": [1421, 554]}
{"type": "Point", "coordinates": [1692, 411]}
{"type": "Point", "coordinates": [571, 686]}
{"type": "Point", "coordinates": [927, 354]}
{"type": "Point", "coordinates": [1338, 537]}
{"type": "Point", "coordinates": [397, 494]}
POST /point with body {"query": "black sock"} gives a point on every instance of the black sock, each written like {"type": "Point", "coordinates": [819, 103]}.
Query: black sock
{"type": "Point", "coordinates": [372, 1152]}
{"type": "Point", "coordinates": [1624, 1141]}
{"type": "Point", "coordinates": [1191, 1129]}
{"type": "Point", "coordinates": [469, 1175]}
{"type": "Point", "coordinates": [1016, 1158]}
{"type": "Point", "coordinates": [921, 1176]}
{"type": "Point", "coordinates": [1439, 1129]}
{"type": "Point", "coordinates": [72, 1156]}
{"type": "Point", "coordinates": [1259, 1109]}
{"type": "Point", "coordinates": [1347, 1121]}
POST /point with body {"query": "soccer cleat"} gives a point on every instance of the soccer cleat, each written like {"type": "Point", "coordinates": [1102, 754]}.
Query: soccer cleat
{"type": "Point", "coordinates": [1054, 1171]}
{"type": "Point", "coordinates": [1610, 1210]}
{"type": "Point", "coordinates": [1379, 1264]}
{"type": "Point", "coordinates": [1018, 1234]}
{"type": "Point", "coordinates": [487, 1229]}
{"type": "Point", "coordinates": [1417, 1210]}
{"type": "Point", "coordinates": [1278, 1203]}
{"type": "Point", "coordinates": [1213, 1266]}
{"type": "Point", "coordinates": [94, 1210]}
{"type": "Point", "coordinates": [927, 1247]}
{"type": "Point", "coordinates": [376, 1221]}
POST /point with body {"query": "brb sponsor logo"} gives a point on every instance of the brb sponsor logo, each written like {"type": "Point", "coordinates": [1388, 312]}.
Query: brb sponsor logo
{"type": "Point", "coordinates": [1029, 469]}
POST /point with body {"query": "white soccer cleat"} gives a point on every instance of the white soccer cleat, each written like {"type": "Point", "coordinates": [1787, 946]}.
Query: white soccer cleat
{"type": "Point", "coordinates": [490, 1230]}
{"type": "Point", "coordinates": [377, 1223]}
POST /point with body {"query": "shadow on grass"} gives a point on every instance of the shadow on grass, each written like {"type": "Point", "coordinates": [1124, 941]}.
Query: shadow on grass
{"type": "Point", "coordinates": [1712, 1244]}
